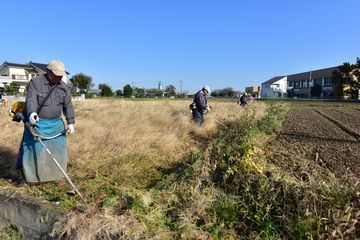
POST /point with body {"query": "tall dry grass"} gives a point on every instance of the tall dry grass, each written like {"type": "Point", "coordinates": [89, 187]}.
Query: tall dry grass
{"type": "Point", "coordinates": [136, 140]}
{"type": "Point", "coordinates": [124, 145]}
{"type": "Point", "coordinates": [129, 143]}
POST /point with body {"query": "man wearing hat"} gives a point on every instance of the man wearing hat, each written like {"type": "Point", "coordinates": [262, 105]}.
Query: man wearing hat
{"type": "Point", "coordinates": [47, 99]}
{"type": "Point", "coordinates": [199, 105]}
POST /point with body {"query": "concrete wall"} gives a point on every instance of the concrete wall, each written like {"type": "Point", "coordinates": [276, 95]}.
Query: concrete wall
{"type": "Point", "coordinates": [33, 218]}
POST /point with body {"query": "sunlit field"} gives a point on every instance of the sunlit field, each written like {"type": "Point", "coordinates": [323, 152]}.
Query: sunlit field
{"type": "Point", "coordinates": [147, 170]}
{"type": "Point", "coordinates": [130, 142]}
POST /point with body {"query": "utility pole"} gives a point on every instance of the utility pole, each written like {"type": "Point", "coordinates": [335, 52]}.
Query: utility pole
{"type": "Point", "coordinates": [309, 85]}
{"type": "Point", "coordinates": [181, 92]}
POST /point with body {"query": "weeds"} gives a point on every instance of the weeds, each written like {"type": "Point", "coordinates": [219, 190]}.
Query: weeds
{"type": "Point", "coordinates": [10, 233]}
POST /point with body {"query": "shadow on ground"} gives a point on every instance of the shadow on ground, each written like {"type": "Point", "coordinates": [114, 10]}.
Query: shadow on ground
{"type": "Point", "coordinates": [8, 160]}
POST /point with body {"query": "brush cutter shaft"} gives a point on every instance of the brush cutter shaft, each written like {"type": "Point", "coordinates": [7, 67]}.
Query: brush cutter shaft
{"type": "Point", "coordinates": [38, 137]}
{"type": "Point", "coordinates": [218, 121]}
{"type": "Point", "coordinates": [63, 172]}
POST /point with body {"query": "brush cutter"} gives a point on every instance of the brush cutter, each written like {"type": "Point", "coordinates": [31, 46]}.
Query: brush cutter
{"type": "Point", "coordinates": [217, 121]}
{"type": "Point", "coordinates": [39, 137]}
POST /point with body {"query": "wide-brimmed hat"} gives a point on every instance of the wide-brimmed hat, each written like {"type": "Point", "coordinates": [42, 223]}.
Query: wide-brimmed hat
{"type": "Point", "coordinates": [57, 67]}
{"type": "Point", "coordinates": [207, 88]}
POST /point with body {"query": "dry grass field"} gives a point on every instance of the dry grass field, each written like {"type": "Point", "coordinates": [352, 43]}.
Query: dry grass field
{"type": "Point", "coordinates": [129, 142]}
{"type": "Point", "coordinates": [147, 171]}
{"type": "Point", "coordinates": [121, 144]}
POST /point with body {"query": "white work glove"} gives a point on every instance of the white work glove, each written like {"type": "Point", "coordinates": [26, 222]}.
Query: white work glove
{"type": "Point", "coordinates": [71, 129]}
{"type": "Point", "coordinates": [208, 108]}
{"type": "Point", "coordinates": [34, 118]}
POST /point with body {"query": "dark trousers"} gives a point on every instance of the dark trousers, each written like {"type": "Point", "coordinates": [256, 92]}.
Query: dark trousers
{"type": "Point", "coordinates": [198, 116]}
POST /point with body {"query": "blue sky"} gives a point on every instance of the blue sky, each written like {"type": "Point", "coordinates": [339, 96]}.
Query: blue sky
{"type": "Point", "coordinates": [196, 42]}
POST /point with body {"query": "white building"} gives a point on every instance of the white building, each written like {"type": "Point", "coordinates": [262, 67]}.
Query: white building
{"type": "Point", "coordinates": [21, 73]}
{"type": "Point", "coordinates": [274, 88]}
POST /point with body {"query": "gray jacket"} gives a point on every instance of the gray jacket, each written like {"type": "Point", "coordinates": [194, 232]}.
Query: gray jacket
{"type": "Point", "coordinates": [59, 100]}
{"type": "Point", "coordinates": [200, 101]}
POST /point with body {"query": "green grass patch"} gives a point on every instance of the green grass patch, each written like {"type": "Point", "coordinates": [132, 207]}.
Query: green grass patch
{"type": "Point", "coordinates": [10, 233]}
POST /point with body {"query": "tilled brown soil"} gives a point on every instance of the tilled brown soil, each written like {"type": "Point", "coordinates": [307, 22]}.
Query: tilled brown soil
{"type": "Point", "coordinates": [318, 142]}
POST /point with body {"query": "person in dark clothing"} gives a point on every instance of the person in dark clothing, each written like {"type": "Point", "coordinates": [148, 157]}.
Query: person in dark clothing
{"type": "Point", "coordinates": [243, 99]}
{"type": "Point", "coordinates": [199, 105]}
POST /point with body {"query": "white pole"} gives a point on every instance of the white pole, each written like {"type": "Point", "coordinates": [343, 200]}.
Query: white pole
{"type": "Point", "coordinates": [309, 85]}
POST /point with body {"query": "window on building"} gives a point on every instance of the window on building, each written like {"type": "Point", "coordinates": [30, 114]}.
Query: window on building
{"type": "Point", "coordinates": [317, 81]}
{"type": "Point", "coordinates": [328, 82]}
{"type": "Point", "coordinates": [304, 83]}
{"type": "Point", "coordinates": [297, 84]}
{"type": "Point", "coordinates": [19, 77]}
{"type": "Point", "coordinates": [290, 84]}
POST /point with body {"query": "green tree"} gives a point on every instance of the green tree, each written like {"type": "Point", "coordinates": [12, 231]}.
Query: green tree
{"type": "Point", "coordinates": [81, 82]}
{"type": "Point", "coordinates": [225, 92]}
{"type": "Point", "coordinates": [139, 92]}
{"type": "Point", "coordinates": [105, 90]}
{"type": "Point", "coordinates": [215, 93]}
{"type": "Point", "coordinates": [118, 93]}
{"type": "Point", "coordinates": [170, 90]}
{"type": "Point", "coordinates": [346, 79]}
{"type": "Point", "coordinates": [154, 92]}
{"type": "Point", "coordinates": [12, 89]}
{"type": "Point", "coordinates": [128, 91]}
{"type": "Point", "coordinates": [230, 92]}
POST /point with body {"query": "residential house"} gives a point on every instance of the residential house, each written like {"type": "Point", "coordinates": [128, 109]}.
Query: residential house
{"type": "Point", "coordinates": [21, 73]}
{"type": "Point", "coordinates": [275, 87]}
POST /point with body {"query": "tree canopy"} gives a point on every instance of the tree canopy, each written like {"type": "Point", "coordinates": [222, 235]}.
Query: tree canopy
{"type": "Point", "coordinates": [346, 80]}
{"type": "Point", "coordinates": [170, 90]}
{"type": "Point", "coordinates": [139, 92]}
{"type": "Point", "coordinates": [226, 92]}
{"type": "Point", "coordinates": [128, 91]}
{"type": "Point", "coordinates": [105, 90]}
{"type": "Point", "coordinates": [12, 88]}
{"type": "Point", "coordinates": [81, 82]}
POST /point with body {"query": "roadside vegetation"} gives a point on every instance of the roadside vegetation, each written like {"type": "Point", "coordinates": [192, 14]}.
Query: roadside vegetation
{"type": "Point", "coordinates": [148, 172]}
{"type": "Point", "coordinates": [10, 233]}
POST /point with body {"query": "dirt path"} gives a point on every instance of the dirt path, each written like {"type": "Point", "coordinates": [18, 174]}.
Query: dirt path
{"type": "Point", "coordinates": [319, 141]}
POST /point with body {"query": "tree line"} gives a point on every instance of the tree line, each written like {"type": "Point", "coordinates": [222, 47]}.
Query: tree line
{"type": "Point", "coordinates": [82, 84]}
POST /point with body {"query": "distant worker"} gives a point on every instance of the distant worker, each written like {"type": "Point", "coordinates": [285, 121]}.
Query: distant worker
{"type": "Point", "coordinates": [251, 98]}
{"type": "Point", "coordinates": [243, 99]}
{"type": "Point", "coordinates": [47, 98]}
{"type": "Point", "coordinates": [199, 105]}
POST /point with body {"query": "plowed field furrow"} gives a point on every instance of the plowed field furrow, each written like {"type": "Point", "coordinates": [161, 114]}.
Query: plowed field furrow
{"type": "Point", "coordinates": [309, 124]}
{"type": "Point", "coordinates": [308, 136]}
{"type": "Point", "coordinates": [349, 112]}
{"type": "Point", "coordinates": [347, 123]}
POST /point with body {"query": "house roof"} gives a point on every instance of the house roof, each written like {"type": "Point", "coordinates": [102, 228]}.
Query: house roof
{"type": "Point", "coordinates": [41, 66]}
{"type": "Point", "coordinates": [320, 73]}
{"type": "Point", "coordinates": [274, 79]}
{"type": "Point", "coordinates": [17, 65]}
{"type": "Point", "coordinates": [31, 66]}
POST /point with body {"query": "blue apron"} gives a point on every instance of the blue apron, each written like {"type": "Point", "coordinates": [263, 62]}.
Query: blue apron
{"type": "Point", "coordinates": [33, 159]}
